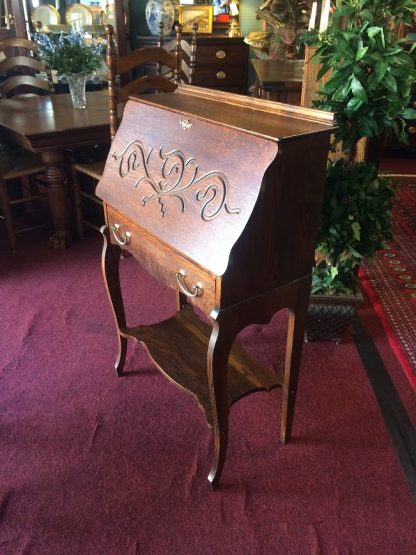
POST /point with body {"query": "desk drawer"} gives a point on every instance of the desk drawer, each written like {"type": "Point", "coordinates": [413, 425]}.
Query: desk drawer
{"type": "Point", "coordinates": [221, 55]}
{"type": "Point", "coordinates": [219, 77]}
{"type": "Point", "coordinates": [163, 262]}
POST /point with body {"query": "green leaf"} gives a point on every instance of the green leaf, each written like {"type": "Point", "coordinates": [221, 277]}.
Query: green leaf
{"type": "Point", "coordinates": [409, 113]}
{"type": "Point", "coordinates": [342, 92]}
{"type": "Point", "coordinates": [390, 82]}
{"type": "Point", "coordinates": [361, 53]}
{"type": "Point", "coordinates": [373, 31]}
{"type": "Point", "coordinates": [356, 229]}
{"type": "Point", "coordinates": [354, 104]}
{"type": "Point", "coordinates": [358, 90]}
{"type": "Point", "coordinates": [322, 72]}
{"type": "Point", "coordinates": [381, 68]}
{"type": "Point", "coordinates": [366, 14]}
{"type": "Point", "coordinates": [344, 10]}
{"type": "Point", "coordinates": [355, 252]}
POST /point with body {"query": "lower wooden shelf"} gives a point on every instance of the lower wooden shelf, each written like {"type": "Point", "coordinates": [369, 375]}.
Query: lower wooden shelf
{"type": "Point", "coordinates": [178, 346]}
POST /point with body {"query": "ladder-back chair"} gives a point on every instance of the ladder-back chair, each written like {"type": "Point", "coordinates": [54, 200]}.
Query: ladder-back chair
{"type": "Point", "coordinates": [188, 52]}
{"type": "Point", "coordinates": [18, 167]}
{"type": "Point", "coordinates": [122, 82]}
{"type": "Point", "coordinates": [22, 70]}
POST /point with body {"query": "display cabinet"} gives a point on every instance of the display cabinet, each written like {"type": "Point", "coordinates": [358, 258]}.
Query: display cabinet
{"type": "Point", "coordinates": [61, 16]}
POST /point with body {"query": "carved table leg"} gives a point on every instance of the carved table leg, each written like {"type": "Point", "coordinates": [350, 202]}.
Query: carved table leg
{"type": "Point", "coordinates": [110, 265]}
{"type": "Point", "coordinates": [56, 178]}
{"type": "Point", "coordinates": [294, 345]}
{"type": "Point", "coordinates": [217, 362]}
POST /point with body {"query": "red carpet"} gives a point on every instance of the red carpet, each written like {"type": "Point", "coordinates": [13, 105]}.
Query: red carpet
{"type": "Point", "coordinates": [94, 464]}
{"type": "Point", "coordinates": [390, 282]}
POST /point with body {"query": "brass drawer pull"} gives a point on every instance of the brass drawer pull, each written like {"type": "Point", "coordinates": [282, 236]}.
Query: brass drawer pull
{"type": "Point", "coordinates": [123, 239]}
{"type": "Point", "coordinates": [196, 290]}
{"type": "Point", "coordinates": [221, 75]}
{"type": "Point", "coordinates": [414, 104]}
{"type": "Point", "coordinates": [220, 54]}
{"type": "Point", "coordinates": [411, 130]}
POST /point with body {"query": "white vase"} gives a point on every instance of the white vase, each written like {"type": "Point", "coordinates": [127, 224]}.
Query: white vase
{"type": "Point", "coordinates": [157, 11]}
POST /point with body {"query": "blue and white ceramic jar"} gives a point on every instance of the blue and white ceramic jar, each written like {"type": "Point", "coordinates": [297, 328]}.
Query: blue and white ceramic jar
{"type": "Point", "coordinates": [157, 11]}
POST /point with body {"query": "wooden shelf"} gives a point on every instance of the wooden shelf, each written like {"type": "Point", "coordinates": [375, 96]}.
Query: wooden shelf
{"type": "Point", "coordinates": [184, 361]}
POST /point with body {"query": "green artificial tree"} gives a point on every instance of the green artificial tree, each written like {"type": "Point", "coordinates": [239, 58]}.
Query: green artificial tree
{"type": "Point", "coordinates": [371, 79]}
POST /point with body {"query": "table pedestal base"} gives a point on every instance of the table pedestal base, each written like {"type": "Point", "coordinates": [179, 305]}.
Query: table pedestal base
{"type": "Point", "coordinates": [56, 178]}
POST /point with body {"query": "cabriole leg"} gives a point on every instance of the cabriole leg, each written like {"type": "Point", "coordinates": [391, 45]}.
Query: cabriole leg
{"type": "Point", "coordinates": [294, 345]}
{"type": "Point", "coordinates": [217, 363]}
{"type": "Point", "coordinates": [110, 266]}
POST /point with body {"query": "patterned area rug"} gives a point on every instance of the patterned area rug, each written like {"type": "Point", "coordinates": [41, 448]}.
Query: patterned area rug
{"type": "Point", "coordinates": [390, 281]}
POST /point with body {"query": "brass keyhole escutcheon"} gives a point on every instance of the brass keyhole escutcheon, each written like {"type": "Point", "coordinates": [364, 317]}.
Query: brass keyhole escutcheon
{"type": "Point", "coordinates": [185, 124]}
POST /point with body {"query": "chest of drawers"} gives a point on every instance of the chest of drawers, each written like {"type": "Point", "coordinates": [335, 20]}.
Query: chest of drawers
{"type": "Point", "coordinates": [218, 196]}
{"type": "Point", "coordinates": [221, 62]}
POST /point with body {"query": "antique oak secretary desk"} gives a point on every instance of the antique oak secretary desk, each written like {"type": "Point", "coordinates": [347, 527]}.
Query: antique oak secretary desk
{"type": "Point", "coordinates": [218, 196]}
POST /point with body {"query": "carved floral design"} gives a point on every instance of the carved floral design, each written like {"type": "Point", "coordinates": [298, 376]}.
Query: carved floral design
{"type": "Point", "coordinates": [176, 178]}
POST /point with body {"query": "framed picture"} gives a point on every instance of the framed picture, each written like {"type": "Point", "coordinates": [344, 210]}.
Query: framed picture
{"type": "Point", "coordinates": [188, 15]}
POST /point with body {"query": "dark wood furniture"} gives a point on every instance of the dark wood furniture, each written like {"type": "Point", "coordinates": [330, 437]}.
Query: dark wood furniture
{"type": "Point", "coordinates": [49, 125]}
{"type": "Point", "coordinates": [279, 80]}
{"type": "Point", "coordinates": [222, 205]}
{"type": "Point", "coordinates": [19, 67]}
{"type": "Point", "coordinates": [13, 20]}
{"type": "Point", "coordinates": [221, 62]}
{"type": "Point", "coordinates": [114, 12]}
{"type": "Point", "coordinates": [187, 51]}
{"type": "Point", "coordinates": [125, 67]}
{"type": "Point", "coordinates": [15, 166]}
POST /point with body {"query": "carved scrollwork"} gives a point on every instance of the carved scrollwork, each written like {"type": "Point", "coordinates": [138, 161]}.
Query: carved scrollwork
{"type": "Point", "coordinates": [174, 177]}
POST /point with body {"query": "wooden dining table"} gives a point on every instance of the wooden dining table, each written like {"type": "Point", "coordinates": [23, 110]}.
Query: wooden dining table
{"type": "Point", "coordinates": [49, 125]}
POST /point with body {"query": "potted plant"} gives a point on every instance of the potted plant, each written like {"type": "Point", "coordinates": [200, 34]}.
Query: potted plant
{"type": "Point", "coordinates": [372, 73]}
{"type": "Point", "coordinates": [72, 56]}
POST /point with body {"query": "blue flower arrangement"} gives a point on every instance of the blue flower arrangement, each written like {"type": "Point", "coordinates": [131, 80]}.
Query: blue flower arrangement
{"type": "Point", "coordinates": [70, 53]}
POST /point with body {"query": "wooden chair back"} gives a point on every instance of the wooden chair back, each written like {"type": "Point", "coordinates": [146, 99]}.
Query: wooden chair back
{"type": "Point", "coordinates": [188, 50]}
{"type": "Point", "coordinates": [19, 67]}
{"type": "Point", "coordinates": [123, 68]}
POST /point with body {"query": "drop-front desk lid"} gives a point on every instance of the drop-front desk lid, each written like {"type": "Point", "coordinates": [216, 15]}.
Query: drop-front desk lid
{"type": "Point", "coordinates": [188, 166]}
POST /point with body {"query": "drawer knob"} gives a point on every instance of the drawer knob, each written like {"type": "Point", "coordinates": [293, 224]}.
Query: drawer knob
{"type": "Point", "coordinates": [414, 104]}
{"type": "Point", "coordinates": [221, 75]}
{"type": "Point", "coordinates": [121, 239]}
{"type": "Point", "coordinates": [220, 54]}
{"type": "Point", "coordinates": [411, 129]}
{"type": "Point", "coordinates": [195, 291]}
